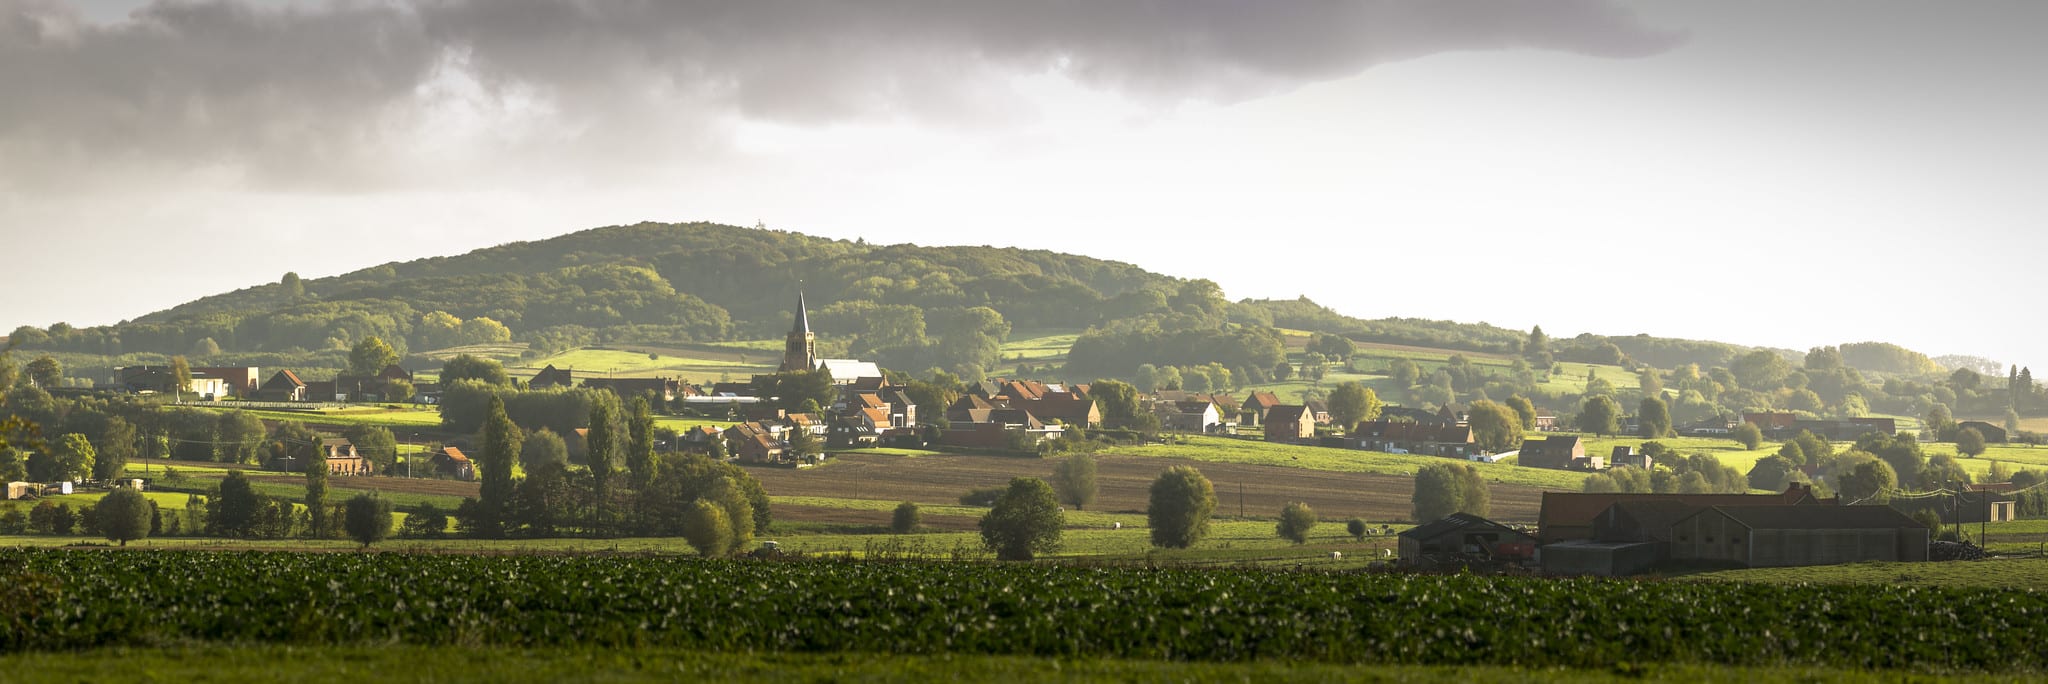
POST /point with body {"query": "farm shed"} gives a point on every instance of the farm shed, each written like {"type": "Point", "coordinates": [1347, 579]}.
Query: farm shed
{"type": "Point", "coordinates": [1776, 536]}
{"type": "Point", "coordinates": [1604, 559]}
{"type": "Point", "coordinates": [1570, 515]}
{"type": "Point", "coordinates": [21, 490]}
{"type": "Point", "coordinates": [1464, 539]}
{"type": "Point", "coordinates": [1967, 507]}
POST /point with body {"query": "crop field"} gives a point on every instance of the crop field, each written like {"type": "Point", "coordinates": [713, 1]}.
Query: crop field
{"type": "Point", "coordinates": [2005, 573]}
{"type": "Point", "coordinates": [375, 414]}
{"type": "Point", "coordinates": [116, 599]}
{"type": "Point", "coordinates": [1253, 452]}
{"type": "Point", "coordinates": [1124, 484]}
{"type": "Point", "coordinates": [696, 363]}
{"type": "Point", "coordinates": [1038, 346]}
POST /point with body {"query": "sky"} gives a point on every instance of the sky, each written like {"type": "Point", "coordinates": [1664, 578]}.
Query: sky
{"type": "Point", "coordinates": [1764, 173]}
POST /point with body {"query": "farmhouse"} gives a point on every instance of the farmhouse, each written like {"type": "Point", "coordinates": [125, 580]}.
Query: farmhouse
{"type": "Point", "coordinates": [241, 379]}
{"type": "Point", "coordinates": [1776, 536]}
{"type": "Point", "coordinates": [1188, 416]}
{"type": "Point", "coordinates": [451, 462]}
{"type": "Point", "coordinates": [1462, 539]}
{"type": "Point", "coordinates": [342, 458]}
{"type": "Point", "coordinates": [1255, 407]}
{"type": "Point", "coordinates": [552, 378]}
{"type": "Point", "coordinates": [1562, 452]}
{"type": "Point", "coordinates": [283, 386]}
{"type": "Point", "coordinates": [1290, 424]}
{"type": "Point", "coordinates": [1431, 438]}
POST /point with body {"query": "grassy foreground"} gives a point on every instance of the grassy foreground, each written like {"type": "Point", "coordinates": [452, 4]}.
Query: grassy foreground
{"type": "Point", "coordinates": [352, 665]}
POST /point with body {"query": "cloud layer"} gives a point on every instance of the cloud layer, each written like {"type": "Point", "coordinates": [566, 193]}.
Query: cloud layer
{"type": "Point", "coordinates": [332, 96]}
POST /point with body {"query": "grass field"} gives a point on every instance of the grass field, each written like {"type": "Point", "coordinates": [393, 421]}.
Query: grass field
{"type": "Point", "coordinates": [1039, 346]}
{"type": "Point", "coordinates": [1245, 451]}
{"type": "Point", "coordinates": [696, 363]}
{"type": "Point", "coordinates": [364, 415]}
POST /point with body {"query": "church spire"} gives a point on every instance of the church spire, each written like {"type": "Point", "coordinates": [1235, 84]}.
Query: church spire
{"type": "Point", "coordinates": [803, 316]}
{"type": "Point", "coordinates": [800, 351]}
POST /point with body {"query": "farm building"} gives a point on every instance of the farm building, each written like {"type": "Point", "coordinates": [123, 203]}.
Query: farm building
{"type": "Point", "coordinates": [1603, 559]}
{"type": "Point", "coordinates": [1556, 453]}
{"type": "Point", "coordinates": [342, 458]}
{"type": "Point", "coordinates": [451, 462]}
{"type": "Point", "coordinates": [1992, 434]}
{"type": "Point", "coordinates": [22, 490]}
{"type": "Point", "coordinates": [1290, 424]}
{"type": "Point", "coordinates": [551, 378]}
{"type": "Point", "coordinates": [284, 386]}
{"type": "Point", "coordinates": [1974, 506]}
{"type": "Point", "coordinates": [1777, 536]}
{"type": "Point", "coordinates": [1462, 539]}
{"type": "Point", "coordinates": [1572, 515]}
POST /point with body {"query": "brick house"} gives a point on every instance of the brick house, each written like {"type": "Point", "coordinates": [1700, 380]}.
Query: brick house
{"type": "Point", "coordinates": [1290, 424]}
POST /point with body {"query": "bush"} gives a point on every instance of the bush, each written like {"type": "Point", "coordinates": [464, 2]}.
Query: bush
{"type": "Point", "coordinates": [123, 514]}
{"type": "Point", "coordinates": [1296, 519]}
{"type": "Point", "coordinates": [1357, 528]}
{"type": "Point", "coordinates": [907, 518]}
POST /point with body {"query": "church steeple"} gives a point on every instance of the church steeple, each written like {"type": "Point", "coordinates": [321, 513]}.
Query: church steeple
{"type": "Point", "coordinates": [799, 351]}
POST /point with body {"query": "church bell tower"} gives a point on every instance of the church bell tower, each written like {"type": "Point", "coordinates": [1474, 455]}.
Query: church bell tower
{"type": "Point", "coordinates": [799, 351]}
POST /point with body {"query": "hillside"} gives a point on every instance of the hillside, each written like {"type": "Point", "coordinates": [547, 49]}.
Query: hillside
{"type": "Point", "coordinates": [913, 308]}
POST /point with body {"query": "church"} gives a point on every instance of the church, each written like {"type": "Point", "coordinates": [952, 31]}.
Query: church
{"type": "Point", "coordinates": [800, 352]}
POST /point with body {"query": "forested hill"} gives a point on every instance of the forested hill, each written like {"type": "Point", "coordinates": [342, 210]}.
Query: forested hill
{"type": "Point", "coordinates": [911, 307]}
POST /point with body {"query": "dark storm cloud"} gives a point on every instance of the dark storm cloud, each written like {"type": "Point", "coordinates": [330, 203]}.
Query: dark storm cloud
{"type": "Point", "coordinates": [277, 88]}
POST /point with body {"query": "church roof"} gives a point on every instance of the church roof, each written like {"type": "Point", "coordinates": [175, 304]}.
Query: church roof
{"type": "Point", "coordinates": [803, 316]}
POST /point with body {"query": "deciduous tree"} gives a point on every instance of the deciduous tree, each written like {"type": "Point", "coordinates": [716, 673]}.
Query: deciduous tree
{"type": "Point", "coordinates": [1024, 522]}
{"type": "Point", "coordinates": [1494, 427]}
{"type": "Point", "coordinates": [367, 518]}
{"type": "Point", "coordinates": [123, 515]}
{"type": "Point", "coordinates": [1599, 415]}
{"type": "Point", "coordinates": [1970, 442]}
{"type": "Point", "coordinates": [906, 519]}
{"type": "Point", "coordinates": [500, 452]}
{"type": "Point", "coordinates": [1182, 501]}
{"type": "Point", "coordinates": [1074, 478]}
{"type": "Point", "coordinates": [370, 357]}
{"type": "Point", "coordinates": [1653, 418]}
{"type": "Point", "coordinates": [1351, 403]}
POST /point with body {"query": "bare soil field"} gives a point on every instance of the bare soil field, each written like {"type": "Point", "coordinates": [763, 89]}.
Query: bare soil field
{"type": "Point", "coordinates": [1124, 485]}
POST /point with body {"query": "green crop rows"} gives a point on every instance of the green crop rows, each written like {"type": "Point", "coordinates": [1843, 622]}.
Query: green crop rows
{"type": "Point", "coordinates": [107, 598]}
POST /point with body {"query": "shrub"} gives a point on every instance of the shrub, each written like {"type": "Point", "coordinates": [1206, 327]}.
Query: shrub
{"type": "Point", "coordinates": [906, 519]}
{"type": "Point", "coordinates": [1296, 519]}
{"type": "Point", "coordinates": [1182, 500]}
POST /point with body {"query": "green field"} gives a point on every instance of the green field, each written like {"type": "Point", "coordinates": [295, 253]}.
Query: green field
{"type": "Point", "coordinates": [411, 663]}
{"type": "Point", "coordinates": [858, 610]}
{"type": "Point", "coordinates": [1037, 347]}
{"type": "Point", "coordinates": [1228, 450]}
{"type": "Point", "coordinates": [355, 415]}
{"type": "Point", "coordinates": [2020, 574]}
{"type": "Point", "coordinates": [702, 364]}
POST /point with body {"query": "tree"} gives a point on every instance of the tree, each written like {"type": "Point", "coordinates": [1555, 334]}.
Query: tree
{"type": "Point", "coordinates": [542, 447]}
{"type": "Point", "coordinates": [1356, 528]}
{"type": "Point", "coordinates": [708, 528]}
{"type": "Point", "coordinates": [1352, 403]}
{"type": "Point", "coordinates": [640, 443]}
{"type": "Point", "coordinates": [116, 447]}
{"type": "Point", "coordinates": [1445, 488]}
{"type": "Point", "coordinates": [1024, 522]}
{"type": "Point", "coordinates": [1182, 501]}
{"type": "Point", "coordinates": [1495, 428]}
{"type": "Point", "coordinates": [467, 367]}
{"type": "Point", "coordinates": [1525, 411]}
{"type": "Point", "coordinates": [1404, 373]}
{"type": "Point", "coordinates": [1074, 478]}
{"type": "Point", "coordinates": [1970, 442]}
{"type": "Point", "coordinates": [316, 493]}
{"type": "Point", "coordinates": [370, 357]}
{"type": "Point", "coordinates": [1653, 418]}
{"type": "Point", "coordinates": [290, 288]}
{"type": "Point", "coordinates": [1772, 473]}
{"type": "Point", "coordinates": [906, 519]}
{"type": "Point", "coordinates": [1120, 407]}
{"type": "Point", "coordinates": [73, 457]}
{"type": "Point", "coordinates": [45, 372]}
{"type": "Point", "coordinates": [1942, 471]}
{"type": "Point", "coordinates": [500, 452]}
{"type": "Point", "coordinates": [1869, 481]}
{"type": "Point", "coordinates": [1537, 344]}
{"type": "Point", "coordinates": [598, 454]}
{"type": "Point", "coordinates": [1282, 371]}
{"type": "Point", "coordinates": [1939, 423]}
{"type": "Point", "coordinates": [205, 347]}
{"type": "Point", "coordinates": [123, 515]}
{"type": "Point", "coordinates": [238, 437]}
{"type": "Point", "coordinates": [1599, 415]}
{"type": "Point", "coordinates": [1748, 435]}
{"type": "Point", "coordinates": [181, 376]}
{"type": "Point", "coordinates": [236, 509]}
{"type": "Point", "coordinates": [1296, 519]}
{"type": "Point", "coordinates": [805, 446]}
{"type": "Point", "coordinates": [367, 518]}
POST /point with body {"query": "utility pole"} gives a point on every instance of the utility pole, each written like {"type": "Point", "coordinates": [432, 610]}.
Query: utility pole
{"type": "Point", "coordinates": [1240, 499]}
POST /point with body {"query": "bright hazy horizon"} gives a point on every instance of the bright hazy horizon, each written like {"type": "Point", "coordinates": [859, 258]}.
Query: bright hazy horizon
{"type": "Point", "coordinates": [1786, 175]}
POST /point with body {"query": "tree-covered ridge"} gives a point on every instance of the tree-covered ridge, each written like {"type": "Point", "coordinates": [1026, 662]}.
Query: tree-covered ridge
{"type": "Point", "coordinates": [646, 282]}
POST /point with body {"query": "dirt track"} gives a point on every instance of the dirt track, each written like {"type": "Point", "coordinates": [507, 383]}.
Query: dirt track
{"type": "Point", "coordinates": [1123, 482]}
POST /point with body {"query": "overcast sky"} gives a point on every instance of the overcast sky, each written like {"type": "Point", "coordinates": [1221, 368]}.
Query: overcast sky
{"type": "Point", "coordinates": [1785, 174]}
